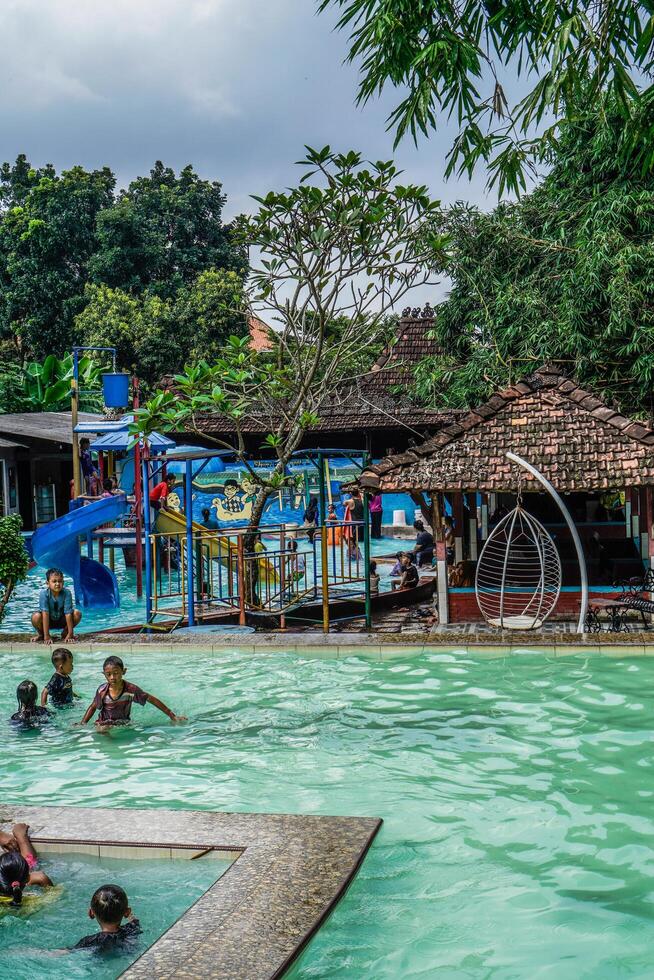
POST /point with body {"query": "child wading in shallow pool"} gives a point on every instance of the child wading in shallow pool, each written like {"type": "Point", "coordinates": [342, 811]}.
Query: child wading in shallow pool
{"type": "Point", "coordinates": [29, 713]}
{"type": "Point", "coordinates": [109, 906]}
{"type": "Point", "coordinates": [114, 699]}
{"type": "Point", "coordinates": [60, 686]}
{"type": "Point", "coordinates": [18, 867]}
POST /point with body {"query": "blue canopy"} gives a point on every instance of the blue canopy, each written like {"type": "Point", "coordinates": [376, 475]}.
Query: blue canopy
{"type": "Point", "coordinates": [119, 441]}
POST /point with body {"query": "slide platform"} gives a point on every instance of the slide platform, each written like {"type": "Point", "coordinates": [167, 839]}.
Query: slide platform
{"type": "Point", "coordinates": [174, 522]}
{"type": "Point", "coordinates": [57, 545]}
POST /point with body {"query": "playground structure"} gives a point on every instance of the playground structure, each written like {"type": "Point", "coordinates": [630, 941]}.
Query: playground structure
{"type": "Point", "coordinates": [196, 575]}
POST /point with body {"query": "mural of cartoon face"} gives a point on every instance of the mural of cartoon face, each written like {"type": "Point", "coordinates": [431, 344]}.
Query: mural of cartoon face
{"type": "Point", "coordinates": [174, 502]}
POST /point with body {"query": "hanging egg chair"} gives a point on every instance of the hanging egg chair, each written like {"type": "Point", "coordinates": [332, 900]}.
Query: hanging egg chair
{"type": "Point", "coordinates": [518, 576]}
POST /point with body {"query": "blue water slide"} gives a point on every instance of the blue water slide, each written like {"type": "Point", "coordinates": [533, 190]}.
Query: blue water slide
{"type": "Point", "coordinates": [57, 544]}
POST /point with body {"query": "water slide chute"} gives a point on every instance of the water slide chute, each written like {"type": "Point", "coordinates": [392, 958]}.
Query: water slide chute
{"type": "Point", "coordinates": [57, 545]}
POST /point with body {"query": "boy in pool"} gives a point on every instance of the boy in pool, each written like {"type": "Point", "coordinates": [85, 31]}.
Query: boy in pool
{"type": "Point", "coordinates": [114, 698]}
{"type": "Point", "coordinates": [109, 906]}
{"type": "Point", "coordinates": [56, 610]}
{"type": "Point", "coordinates": [60, 686]}
{"type": "Point", "coordinates": [28, 713]}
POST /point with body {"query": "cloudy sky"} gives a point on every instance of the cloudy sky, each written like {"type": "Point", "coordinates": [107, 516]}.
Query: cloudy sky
{"type": "Point", "coordinates": [235, 87]}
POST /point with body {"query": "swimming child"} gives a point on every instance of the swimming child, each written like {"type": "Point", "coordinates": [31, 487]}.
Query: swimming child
{"type": "Point", "coordinates": [109, 906]}
{"type": "Point", "coordinates": [60, 685]}
{"type": "Point", "coordinates": [56, 610]}
{"type": "Point", "coordinates": [114, 698]}
{"type": "Point", "coordinates": [374, 578]}
{"type": "Point", "coordinates": [29, 713]}
{"type": "Point", "coordinates": [18, 866]}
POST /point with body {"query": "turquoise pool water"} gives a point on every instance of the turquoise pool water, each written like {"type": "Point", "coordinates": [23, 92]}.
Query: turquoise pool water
{"type": "Point", "coordinates": [132, 610]}
{"type": "Point", "coordinates": [516, 792]}
{"type": "Point", "coordinates": [159, 892]}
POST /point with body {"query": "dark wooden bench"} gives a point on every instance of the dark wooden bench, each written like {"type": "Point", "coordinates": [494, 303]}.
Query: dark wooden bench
{"type": "Point", "coordinates": [633, 598]}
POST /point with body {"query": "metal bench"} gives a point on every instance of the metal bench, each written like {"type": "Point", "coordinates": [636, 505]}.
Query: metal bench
{"type": "Point", "coordinates": [632, 599]}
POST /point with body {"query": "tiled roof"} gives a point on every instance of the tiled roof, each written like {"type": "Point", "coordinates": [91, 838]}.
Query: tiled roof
{"type": "Point", "coordinates": [574, 439]}
{"type": "Point", "coordinates": [259, 334]}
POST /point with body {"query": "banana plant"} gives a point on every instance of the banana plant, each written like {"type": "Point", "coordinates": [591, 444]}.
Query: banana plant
{"type": "Point", "coordinates": [47, 386]}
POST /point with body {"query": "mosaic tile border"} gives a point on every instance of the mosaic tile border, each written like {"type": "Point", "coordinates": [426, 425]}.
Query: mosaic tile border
{"type": "Point", "coordinates": [252, 923]}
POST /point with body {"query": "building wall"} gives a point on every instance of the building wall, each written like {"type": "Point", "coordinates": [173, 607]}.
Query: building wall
{"type": "Point", "coordinates": [8, 483]}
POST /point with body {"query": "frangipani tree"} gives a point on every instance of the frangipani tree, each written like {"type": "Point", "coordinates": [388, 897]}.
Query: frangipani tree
{"type": "Point", "coordinates": [347, 243]}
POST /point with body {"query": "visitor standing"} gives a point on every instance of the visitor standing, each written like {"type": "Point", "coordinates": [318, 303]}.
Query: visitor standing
{"type": "Point", "coordinates": [376, 510]}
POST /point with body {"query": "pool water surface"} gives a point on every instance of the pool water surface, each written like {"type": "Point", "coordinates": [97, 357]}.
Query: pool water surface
{"type": "Point", "coordinates": [516, 793]}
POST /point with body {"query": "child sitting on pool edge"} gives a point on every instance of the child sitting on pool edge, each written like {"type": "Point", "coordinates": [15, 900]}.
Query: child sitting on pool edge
{"type": "Point", "coordinates": [109, 906]}
{"type": "Point", "coordinates": [60, 686]}
{"type": "Point", "coordinates": [18, 866]}
{"type": "Point", "coordinates": [56, 610]}
{"type": "Point", "coordinates": [114, 698]}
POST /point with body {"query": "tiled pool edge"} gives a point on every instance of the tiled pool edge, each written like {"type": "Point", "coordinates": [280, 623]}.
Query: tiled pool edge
{"type": "Point", "coordinates": [253, 922]}
{"type": "Point", "coordinates": [372, 645]}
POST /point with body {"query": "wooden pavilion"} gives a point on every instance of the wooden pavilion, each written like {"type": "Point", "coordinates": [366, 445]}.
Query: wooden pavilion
{"type": "Point", "coordinates": [601, 463]}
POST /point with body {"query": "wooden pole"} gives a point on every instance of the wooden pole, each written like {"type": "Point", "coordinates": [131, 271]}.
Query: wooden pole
{"type": "Point", "coordinates": [77, 473]}
{"type": "Point", "coordinates": [441, 558]}
{"type": "Point", "coordinates": [138, 501]}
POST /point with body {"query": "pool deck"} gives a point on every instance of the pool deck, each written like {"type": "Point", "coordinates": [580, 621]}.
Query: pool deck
{"type": "Point", "coordinates": [287, 875]}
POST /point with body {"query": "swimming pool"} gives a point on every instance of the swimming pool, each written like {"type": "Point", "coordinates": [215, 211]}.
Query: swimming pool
{"type": "Point", "coordinates": [25, 598]}
{"type": "Point", "coordinates": [159, 891]}
{"type": "Point", "coordinates": [516, 793]}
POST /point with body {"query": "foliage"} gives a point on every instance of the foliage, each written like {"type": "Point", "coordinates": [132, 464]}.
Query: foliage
{"type": "Point", "coordinates": [343, 246]}
{"type": "Point", "coordinates": [566, 274]}
{"type": "Point", "coordinates": [154, 337]}
{"type": "Point", "coordinates": [46, 387]}
{"type": "Point", "coordinates": [59, 234]}
{"type": "Point", "coordinates": [47, 236]}
{"type": "Point", "coordinates": [449, 60]}
{"type": "Point", "coordinates": [14, 560]}
{"type": "Point", "coordinates": [162, 232]}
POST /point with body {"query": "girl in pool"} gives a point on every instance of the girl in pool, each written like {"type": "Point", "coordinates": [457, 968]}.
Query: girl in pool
{"type": "Point", "coordinates": [115, 698]}
{"type": "Point", "coordinates": [29, 713]}
{"type": "Point", "coordinates": [18, 867]}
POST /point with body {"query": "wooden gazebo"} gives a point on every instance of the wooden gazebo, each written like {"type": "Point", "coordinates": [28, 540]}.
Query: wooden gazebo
{"type": "Point", "coordinates": [585, 448]}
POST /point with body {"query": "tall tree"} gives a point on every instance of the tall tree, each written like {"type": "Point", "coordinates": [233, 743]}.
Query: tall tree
{"type": "Point", "coordinates": [162, 232]}
{"type": "Point", "coordinates": [566, 274]}
{"type": "Point", "coordinates": [344, 245]}
{"type": "Point", "coordinates": [47, 237]}
{"type": "Point", "coordinates": [449, 59]}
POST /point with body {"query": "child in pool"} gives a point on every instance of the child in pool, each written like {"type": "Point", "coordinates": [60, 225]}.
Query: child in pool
{"type": "Point", "coordinates": [109, 906]}
{"type": "Point", "coordinates": [18, 866]}
{"type": "Point", "coordinates": [114, 698]}
{"type": "Point", "coordinates": [60, 686]}
{"type": "Point", "coordinates": [29, 713]}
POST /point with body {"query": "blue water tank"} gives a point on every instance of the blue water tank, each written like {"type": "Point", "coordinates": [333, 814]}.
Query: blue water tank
{"type": "Point", "coordinates": [115, 389]}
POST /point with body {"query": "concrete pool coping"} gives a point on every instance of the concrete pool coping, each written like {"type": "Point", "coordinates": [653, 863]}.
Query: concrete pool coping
{"type": "Point", "coordinates": [287, 875]}
{"type": "Point", "coordinates": [370, 645]}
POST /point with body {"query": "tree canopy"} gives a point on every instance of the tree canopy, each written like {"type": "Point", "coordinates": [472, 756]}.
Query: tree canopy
{"type": "Point", "coordinates": [452, 59]}
{"type": "Point", "coordinates": [566, 274]}
{"type": "Point", "coordinates": [159, 248]}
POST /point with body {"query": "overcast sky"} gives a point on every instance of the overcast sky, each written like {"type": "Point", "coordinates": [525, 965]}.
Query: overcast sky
{"type": "Point", "coordinates": [235, 87]}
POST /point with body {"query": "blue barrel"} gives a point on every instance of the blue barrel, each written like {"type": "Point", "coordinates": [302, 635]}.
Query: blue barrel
{"type": "Point", "coordinates": [115, 389]}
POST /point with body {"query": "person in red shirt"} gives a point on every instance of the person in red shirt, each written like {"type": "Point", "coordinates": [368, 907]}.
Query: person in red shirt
{"type": "Point", "coordinates": [159, 493]}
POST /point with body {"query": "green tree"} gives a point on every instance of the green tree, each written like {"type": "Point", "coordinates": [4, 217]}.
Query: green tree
{"type": "Point", "coordinates": [344, 245]}
{"type": "Point", "coordinates": [14, 560]}
{"type": "Point", "coordinates": [566, 274]}
{"type": "Point", "coordinates": [449, 60]}
{"type": "Point", "coordinates": [153, 336]}
{"type": "Point", "coordinates": [47, 236]}
{"type": "Point", "coordinates": [162, 232]}
{"type": "Point", "coordinates": [210, 310]}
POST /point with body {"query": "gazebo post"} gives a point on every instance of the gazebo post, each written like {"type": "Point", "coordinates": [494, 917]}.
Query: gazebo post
{"type": "Point", "coordinates": [441, 559]}
{"type": "Point", "coordinates": [459, 516]}
{"type": "Point", "coordinates": [484, 516]}
{"type": "Point", "coordinates": [635, 515]}
{"type": "Point", "coordinates": [472, 526]}
{"type": "Point", "coordinates": [645, 522]}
